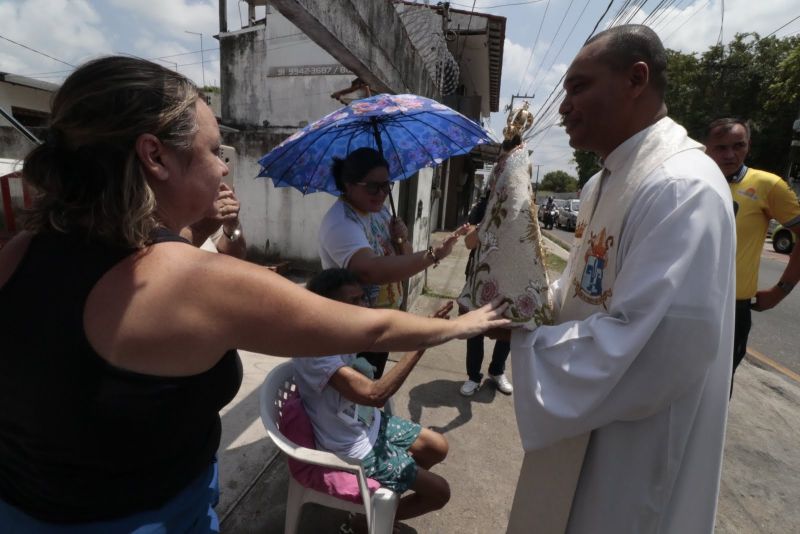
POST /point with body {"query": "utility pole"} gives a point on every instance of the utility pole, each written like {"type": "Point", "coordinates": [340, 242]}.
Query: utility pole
{"type": "Point", "coordinates": [536, 182]}
{"type": "Point", "coordinates": [223, 16]}
{"type": "Point", "coordinates": [520, 97]}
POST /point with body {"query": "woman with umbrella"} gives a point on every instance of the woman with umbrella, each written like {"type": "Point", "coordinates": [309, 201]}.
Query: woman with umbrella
{"type": "Point", "coordinates": [118, 334]}
{"type": "Point", "coordinates": [358, 233]}
{"type": "Point", "coordinates": [356, 153]}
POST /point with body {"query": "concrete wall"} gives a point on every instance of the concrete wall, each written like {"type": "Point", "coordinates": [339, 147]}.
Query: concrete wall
{"type": "Point", "coordinates": [253, 94]}
{"type": "Point", "coordinates": [12, 143]}
{"type": "Point", "coordinates": [23, 97]}
{"type": "Point", "coordinates": [421, 224]}
{"type": "Point", "coordinates": [366, 36]}
{"type": "Point", "coordinates": [280, 222]}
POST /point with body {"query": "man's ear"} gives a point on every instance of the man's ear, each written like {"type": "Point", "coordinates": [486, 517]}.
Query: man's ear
{"type": "Point", "coordinates": [150, 151]}
{"type": "Point", "coordinates": [639, 77]}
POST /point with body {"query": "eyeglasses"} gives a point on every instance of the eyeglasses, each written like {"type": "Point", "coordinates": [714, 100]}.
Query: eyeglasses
{"type": "Point", "coordinates": [373, 188]}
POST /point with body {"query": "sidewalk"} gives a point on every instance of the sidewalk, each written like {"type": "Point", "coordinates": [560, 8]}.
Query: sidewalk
{"type": "Point", "coordinates": [759, 489]}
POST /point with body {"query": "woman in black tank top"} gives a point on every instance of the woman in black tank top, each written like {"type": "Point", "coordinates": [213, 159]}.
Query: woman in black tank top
{"type": "Point", "coordinates": [119, 335]}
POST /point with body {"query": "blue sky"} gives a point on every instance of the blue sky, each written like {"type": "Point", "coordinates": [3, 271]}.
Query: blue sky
{"type": "Point", "coordinates": [76, 30]}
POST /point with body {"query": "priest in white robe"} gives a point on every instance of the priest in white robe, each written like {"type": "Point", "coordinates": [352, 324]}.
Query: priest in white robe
{"type": "Point", "coordinates": [621, 405]}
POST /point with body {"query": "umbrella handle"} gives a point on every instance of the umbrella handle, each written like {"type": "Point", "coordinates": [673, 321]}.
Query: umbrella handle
{"type": "Point", "coordinates": [379, 142]}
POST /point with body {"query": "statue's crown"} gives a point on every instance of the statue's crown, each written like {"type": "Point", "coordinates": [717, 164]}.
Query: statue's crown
{"type": "Point", "coordinates": [518, 122]}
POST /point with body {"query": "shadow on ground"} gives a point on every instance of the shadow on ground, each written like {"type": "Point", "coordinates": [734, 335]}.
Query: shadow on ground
{"type": "Point", "coordinates": [440, 394]}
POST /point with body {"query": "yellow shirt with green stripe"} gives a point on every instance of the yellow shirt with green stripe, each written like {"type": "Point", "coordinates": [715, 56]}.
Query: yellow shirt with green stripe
{"type": "Point", "coordinates": [759, 197]}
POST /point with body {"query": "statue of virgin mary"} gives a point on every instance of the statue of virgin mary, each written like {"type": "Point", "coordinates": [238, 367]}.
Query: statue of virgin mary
{"type": "Point", "coordinates": [510, 259]}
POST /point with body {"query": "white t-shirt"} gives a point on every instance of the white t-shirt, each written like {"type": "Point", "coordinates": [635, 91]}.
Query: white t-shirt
{"type": "Point", "coordinates": [344, 231]}
{"type": "Point", "coordinates": [340, 425]}
{"type": "Point", "coordinates": [208, 245]}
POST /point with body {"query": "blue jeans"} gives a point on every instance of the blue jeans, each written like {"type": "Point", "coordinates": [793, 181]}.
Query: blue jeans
{"type": "Point", "coordinates": [191, 511]}
{"type": "Point", "coordinates": [475, 358]}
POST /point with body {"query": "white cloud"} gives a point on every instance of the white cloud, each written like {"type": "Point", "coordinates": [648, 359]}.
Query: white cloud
{"type": "Point", "coordinates": [515, 60]}
{"type": "Point", "coordinates": [165, 34]}
{"type": "Point", "coordinates": [71, 31]}
{"type": "Point", "coordinates": [700, 31]}
{"type": "Point", "coordinates": [173, 17]}
{"type": "Point", "coordinates": [696, 27]}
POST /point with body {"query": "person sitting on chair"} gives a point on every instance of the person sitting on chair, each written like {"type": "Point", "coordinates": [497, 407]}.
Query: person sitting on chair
{"type": "Point", "coordinates": [343, 401]}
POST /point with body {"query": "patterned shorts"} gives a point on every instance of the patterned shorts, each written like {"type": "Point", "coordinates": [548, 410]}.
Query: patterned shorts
{"type": "Point", "coordinates": [389, 461]}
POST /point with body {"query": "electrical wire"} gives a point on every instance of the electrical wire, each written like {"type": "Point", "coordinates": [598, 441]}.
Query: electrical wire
{"type": "Point", "coordinates": [779, 29]}
{"type": "Point", "coordinates": [37, 51]}
{"type": "Point", "coordinates": [687, 20]}
{"type": "Point", "coordinates": [205, 50]}
{"type": "Point", "coordinates": [600, 19]}
{"type": "Point", "coordinates": [635, 11]}
{"type": "Point", "coordinates": [464, 42]}
{"type": "Point", "coordinates": [547, 108]}
{"type": "Point", "coordinates": [533, 48]}
{"type": "Point", "coordinates": [549, 47]}
{"type": "Point", "coordinates": [500, 5]}
{"type": "Point", "coordinates": [661, 17]}
{"type": "Point", "coordinates": [555, 58]}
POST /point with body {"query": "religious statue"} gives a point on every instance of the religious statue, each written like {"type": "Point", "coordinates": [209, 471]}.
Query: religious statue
{"type": "Point", "coordinates": [510, 259]}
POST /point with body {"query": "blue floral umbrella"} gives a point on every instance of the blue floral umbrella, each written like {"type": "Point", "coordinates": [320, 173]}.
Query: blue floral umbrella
{"type": "Point", "coordinates": [410, 131]}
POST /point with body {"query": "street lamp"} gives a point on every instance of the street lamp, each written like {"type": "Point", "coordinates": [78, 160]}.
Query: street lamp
{"type": "Point", "coordinates": [202, 55]}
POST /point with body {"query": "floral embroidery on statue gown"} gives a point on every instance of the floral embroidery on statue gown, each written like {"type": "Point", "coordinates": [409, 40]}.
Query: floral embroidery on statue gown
{"type": "Point", "coordinates": [510, 258]}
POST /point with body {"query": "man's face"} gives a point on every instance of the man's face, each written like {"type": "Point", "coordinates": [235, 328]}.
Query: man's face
{"type": "Point", "coordinates": [351, 294]}
{"type": "Point", "coordinates": [728, 148]}
{"type": "Point", "coordinates": [594, 108]}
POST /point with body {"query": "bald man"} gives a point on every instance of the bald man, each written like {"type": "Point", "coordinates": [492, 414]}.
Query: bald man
{"type": "Point", "coordinates": [621, 405]}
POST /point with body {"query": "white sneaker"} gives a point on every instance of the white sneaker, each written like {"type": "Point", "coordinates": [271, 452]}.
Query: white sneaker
{"type": "Point", "coordinates": [502, 383]}
{"type": "Point", "coordinates": [469, 388]}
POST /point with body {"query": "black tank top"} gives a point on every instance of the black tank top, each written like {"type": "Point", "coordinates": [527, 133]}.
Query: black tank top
{"type": "Point", "coordinates": [81, 439]}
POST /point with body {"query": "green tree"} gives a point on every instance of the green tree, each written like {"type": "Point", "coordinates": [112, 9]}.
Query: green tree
{"type": "Point", "coordinates": [559, 182]}
{"type": "Point", "coordinates": [587, 164]}
{"type": "Point", "coordinates": [751, 78]}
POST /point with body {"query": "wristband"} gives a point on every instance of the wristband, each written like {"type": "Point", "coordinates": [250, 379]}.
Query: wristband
{"type": "Point", "coordinates": [433, 257]}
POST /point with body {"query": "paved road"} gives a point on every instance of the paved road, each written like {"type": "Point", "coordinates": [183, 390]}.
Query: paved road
{"type": "Point", "coordinates": [775, 333]}
{"type": "Point", "coordinates": [563, 235]}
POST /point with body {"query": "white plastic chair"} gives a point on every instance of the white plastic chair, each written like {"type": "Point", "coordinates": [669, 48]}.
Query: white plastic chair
{"type": "Point", "coordinates": [379, 507]}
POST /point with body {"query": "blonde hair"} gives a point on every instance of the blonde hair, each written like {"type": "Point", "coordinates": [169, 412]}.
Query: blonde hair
{"type": "Point", "coordinates": [87, 175]}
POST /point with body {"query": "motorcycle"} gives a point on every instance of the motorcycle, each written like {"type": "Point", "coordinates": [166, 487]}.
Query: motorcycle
{"type": "Point", "coordinates": [549, 217]}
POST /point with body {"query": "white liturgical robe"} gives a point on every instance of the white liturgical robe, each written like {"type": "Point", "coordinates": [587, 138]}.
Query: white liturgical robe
{"type": "Point", "coordinates": [649, 378]}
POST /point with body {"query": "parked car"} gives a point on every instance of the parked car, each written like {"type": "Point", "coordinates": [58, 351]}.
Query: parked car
{"type": "Point", "coordinates": [783, 239]}
{"type": "Point", "coordinates": [568, 214]}
{"type": "Point", "coordinates": [771, 227]}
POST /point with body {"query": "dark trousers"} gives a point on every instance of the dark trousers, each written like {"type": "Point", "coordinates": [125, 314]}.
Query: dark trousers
{"type": "Point", "coordinates": [378, 360]}
{"type": "Point", "coordinates": [741, 330]}
{"type": "Point", "coordinates": [475, 358]}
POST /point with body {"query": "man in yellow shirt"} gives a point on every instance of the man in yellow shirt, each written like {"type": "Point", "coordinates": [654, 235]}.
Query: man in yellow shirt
{"type": "Point", "coordinates": [758, 196]}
